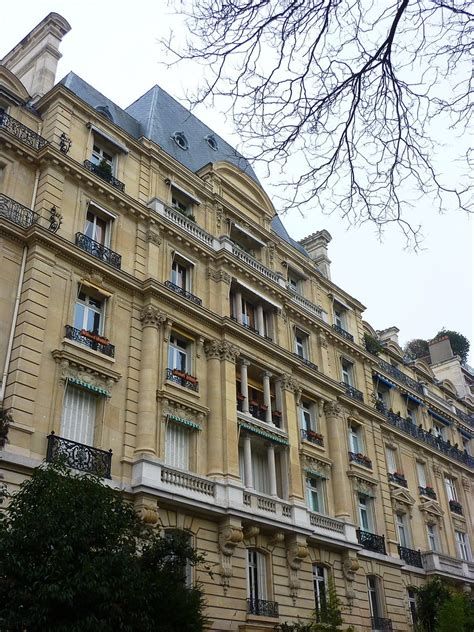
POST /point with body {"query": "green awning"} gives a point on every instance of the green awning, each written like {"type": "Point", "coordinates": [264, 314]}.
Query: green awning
{"type": "Point", "coordinates": [263, 433]}
{"type": "Point", "coordinates": [90, 387]}
{"type": "Point", "coordinates": [184, 422]}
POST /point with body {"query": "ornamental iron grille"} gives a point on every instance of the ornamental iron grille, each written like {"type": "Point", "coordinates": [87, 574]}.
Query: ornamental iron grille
{"type": "Point", "coordinates": [22, 132]}
{"type": "Point", "coordinates": [17, 213]}
{"type": "Point", "coordinates": [99, 251]}
{"type": "Point", "coordinates": [343, 332]}
{"type": "Point", "coordinates": [398, 479]}
{"type": "Point", "coordinates": [262, 608]}
{"type": "Point", "coordinates": [360, 459]}
{"type": "Point", "coordinates": [410, 556]}
{"type": "Point", "coordinates": [308, 363]}
{"type": "Point", "coordinates": [183, 379]}
{"type": "Point", "coordinates": [455, 507]}
{"type": "Point", "coordinates": [427, 491]}
{"type": "Point", "coordinates": [353, 392]}
{"type": "Point", "coordinates": [399, 375]}
{"type": "Point", "coordinates": [179, 290]}
{"type": "Point", "coordinates": [371, 541]}
{"type": "Point", "coordinates": [312, 437]}
{"type": "Point", "coordinates": [91, 340]}
{"type": "Point", "coordinates": [105, 175]}
{"type": "Point", "coordinates": [79, 456]}
{"type": "Point", "coordinates": [380, 624]}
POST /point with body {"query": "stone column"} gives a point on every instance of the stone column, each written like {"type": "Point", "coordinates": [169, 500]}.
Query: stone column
{"type": "Point", "coordinates": [272, 469]}
{"type": "Point", "coordinates": [260, 320]}
{"type": "Point", "coordinates": [266, 375]}
{"type": "Point", "coordinates": [238, 306]}
{"type": "Point", "coordinates": [291, 466]}
{"type": "Point", "coordinates": [248, 473]}
{"type": "Point", "coordinates": [337, 449]}
{"type": "Point", "coordinates": [244, 385]}
{"type": "Point", "coordinates": [152, 320]}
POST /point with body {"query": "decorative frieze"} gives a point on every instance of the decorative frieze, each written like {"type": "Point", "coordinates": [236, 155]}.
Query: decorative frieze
{"type": "Point", "coordinates": [316, 467]}
{"type": "Point", "coordinates": [365, 487]}
{"type": "Point", "coordinates": [218, 275]}
{"type": "Point", "coordinates": [153, 237]}
{"type": "Point", "coordinates": [75, 372]}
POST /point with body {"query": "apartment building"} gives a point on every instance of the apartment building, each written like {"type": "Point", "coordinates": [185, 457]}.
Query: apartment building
{"type": "Point", "coordinates": [159, 326]}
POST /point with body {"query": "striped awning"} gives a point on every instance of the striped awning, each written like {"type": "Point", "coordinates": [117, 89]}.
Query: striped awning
{"type": "Point", "coordinates": [384, 380]}
{"type": "Point", "coordinates": [90, 387]}
{"type": "Point", "coordinates": [268, 435]}
{"type": "Point", "coordinates": [184, 422]}
{"type": "Point", "coordinates": [439, 417]}
{"type": "Point", "coordinates": [412, 398]}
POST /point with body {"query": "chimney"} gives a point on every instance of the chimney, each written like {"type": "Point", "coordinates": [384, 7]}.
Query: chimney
{"type": "Point", "coordinates": [440, 350]}
{"type": "Point", "coordinates": [317, 247]}
{"type": "Point", "coordinates": [35, 59]}
{"type": "Point", "coordinates": [391, 333]}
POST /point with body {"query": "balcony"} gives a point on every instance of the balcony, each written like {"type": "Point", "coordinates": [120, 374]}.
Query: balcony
{"type": "Point", "coordinates": [17, 213]}
{"type": "Point", "coordinates": [325, 522]}
{"type": "Point", "coordinates": [255, 264]}
{"type": "Point", "coordinates": [445, 565]}
{"type": "Point", "coordinates": [195, 484]}
{"type": "Point", "coordinates": [312, 437]}
{"type": "Point", "coordinates": [183, 379]}
{"type": "Point", "coordinates": [98, 250]}
{"type": "Point", "coordinates": [310, 307]}
{"type": "Point", "coordinates": [371, 541]}
{"type": "Point", "coordinates": [381, 624]}
{"type": "Point", "coordinates": [179, 290]}
{"type": "Point", "coordinates": [398, 478]}
{"type": "Point", "coordinates": [429, 492]}
{"type": "Point", "coordinates": [104, 174]}
{"type": "Point", "coordinates": [91, 340]}
{"type": "Point", "coordinates": [418, 432]}
{"type": "Point", "coordinates": [345, 334]}
{"type": "Point", "coordinates": [400, 376]}
{"type": "Point", "coordinates": [468, 419]}
{"type": "Point", "coordinates": [251, 328]}
{"type": "Point", "coordinates": [353, 392]}
{"type": "Point", "coordinates": [262, 608]}
{"type": "Point", "coordinates": [455, 507]}
{"type": "Point", "coordinates": [306, 362]}
{"type": "Point", "coordinates": [79, 456]}
{"type": "Point", "coordinates": [410, 557]}
{"type": "Point", "coordinates": [360, 459]}
{"type": "Point", "coordinates": [20, 131]}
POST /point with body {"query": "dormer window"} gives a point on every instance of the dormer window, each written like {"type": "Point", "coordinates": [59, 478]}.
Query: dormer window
{"type": "Point", "coordinates": [245, 239]}
{"type": "Point", "coordinates": [102, 157]}
{"type": "Point", "coordinates": [181, 140]}
{"type": "Point", "coordinates": [104, 110]}
{"type": "Point", "coordinates": [212, 142]}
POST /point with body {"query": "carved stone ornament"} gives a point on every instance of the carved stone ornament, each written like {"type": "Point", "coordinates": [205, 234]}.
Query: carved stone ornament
{"type": "Point", "coordinates": [153, 237]}
{"type": "Point", "coordinates": [276, 538]}
{"type": "Point", "coordinates": [332, 409]}
{"type": "Point", "coordinates": [466, 483]}
{"type": "Point", "coordinates": [364, 487]}
{"type": "Point", "coordinates": [218, 275]}
{"type": "Point", "coordinates": [437, 469]}
{"type": "Point", "coordinates": [296, 552]}
{"type": "Point", "coordinates": [316, 467]}
{"type": "Point", "coordinates": [289, 383]}
{"type": "Point", "coordinates": [221, 350]}
{"type": "Point", "coordinates": [350, 567]}
{"type": "Point", "coordinates": [402, 502]}
{"type": "Point", "coordinates": [432, 513]}
{"type": "Point", "coordinates": [219, 215]}
{"type": "Point", "coordinates": [323, 341]}
{"type": "Point", "coordinates": [230, 536]}
{"type": "Point", "coordinates": [271, 253]}
{"type": "Point", "coordinates": [147, 509]}
{"type": "Point", "coordinates": [75, 371]}
{"type": "Point", "coordinates": [251, 531]}
{"type": "Point", "coordinates": [182, 410]}
{"type": "Point", "coordinates": [152, 317]}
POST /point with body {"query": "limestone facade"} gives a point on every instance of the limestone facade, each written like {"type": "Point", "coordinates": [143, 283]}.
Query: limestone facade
{"type": "Point", "coordinates": [156, 311]}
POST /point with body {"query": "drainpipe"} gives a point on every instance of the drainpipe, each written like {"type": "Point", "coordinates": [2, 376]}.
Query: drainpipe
{"type": "Point", "coordinates": [17, 303]}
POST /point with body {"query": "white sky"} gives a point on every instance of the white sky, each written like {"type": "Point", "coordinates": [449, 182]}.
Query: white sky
{"type": "Point", "coordinates": [114, 47]}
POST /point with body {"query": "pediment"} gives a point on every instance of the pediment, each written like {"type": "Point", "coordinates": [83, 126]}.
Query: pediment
{"type": "Point", "coordinates": [403, 496]}
{"type": "Point", "coordinates": [13, 85]}
{"type": "Point", "coordinates": [432, 507]}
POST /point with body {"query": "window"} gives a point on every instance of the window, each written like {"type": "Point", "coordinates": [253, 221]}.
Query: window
{"type": "Point", "coordinates": [365, 512]}
{"type": "Point", "coordinates": [293, 283]}
{"type": "Point", "coordinates": [177, 446]}
{"type": "Point", "coordinates": [391, 460]}
{"type": "Point", "coordinates": [439, 431]}
{"type": "Point", "coordinates": [355, 439]}
{"type": "Point", "coordinates": [181, 204]}
{"type": "Point", "coordinates": [301, 344]}
{"type": "Point", "coordinates": [411, 415]}
{"type": "Point", "coordinates": [320, 580]}
{"type": "Point", "coordinates": [411, 594]}
{"type": "Point", "coordinates": [79, 415]}
{"type": "Point", "coordinates": [450, 484]}
{"type": "Point", "coordinates": [315, 493]}
{"type": "Point", "coordinates": [178, 354]}
{"type": "Point", "coordinates": [432, 534]}
{"type": "Point", "coordinates": [97, 228]}
{"type": "Point", "coordinates": [340, 316]}
{"type": "Point", "coordinates": [462, 545]}
{"type": "Point", "coordinates": [421, 472]}
{"type": "Point", "coordinates": [374, 598]}
{"type": "Point", "coordinates": [102, 156]}
{"type": "Point", "coordinates": [347, 372]}
{"type": "Point", "coordinates": [261, 479]}
{"type": "Point", "coordinates": [89, 312]}
{"type": "Point", "coordinates": [403, 532]}
{"type": "Point", "coordinates": [181, 140]}
{"type": "Point", "coordinates": [256, 578]}
{"type": "Point", "coordinates": [382, 396]}
{"type": "Point", "coordinates": [181, 273]}
{"type": "Point", "coordinates": [248, 314]}
{"type": "Point", "coordinates": [466, 445]}
{"type": "Point", "coordinates": [179, 535]}
{"type": "Point", "coordinates": [212, 142]}
{"type": "Point", "coordinates": [307, 415]}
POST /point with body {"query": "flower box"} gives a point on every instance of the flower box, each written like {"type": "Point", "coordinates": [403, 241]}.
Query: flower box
{"type": "Point", "coordinates": [240, 397]}
{"type": "Point", "coordinates": [190, 378]}
{"type": "Point", "coordinates": [178, 373]}
{"type": "Point", "coordinates": [95, 337]}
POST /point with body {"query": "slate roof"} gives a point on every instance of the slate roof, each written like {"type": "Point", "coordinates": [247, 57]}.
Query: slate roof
{"type": "Point", "coordinates": [157, 116]}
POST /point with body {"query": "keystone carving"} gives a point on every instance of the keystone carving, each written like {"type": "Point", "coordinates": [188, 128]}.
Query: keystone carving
{"type": "Point", "coordinates": [288, 383]}
{"type": "Point", "coordinates": [251, 531]}
{"type": "Point", "coordinates": [218, 275]}
{"type": "Point", "coordinates": [230, 536]}
{"type": "Point", "coordinates": [153, 237]}
{"type": "Point", "coordinates": [350, 567]}
{"type": "Point", "coordinates": [221, 350]}
{"type": "Point", "coordinates": [332, 409]}
{"type": "Point", "coordinates": [151, 317]}
{"type": "Point", "coordinates": [296, 552]}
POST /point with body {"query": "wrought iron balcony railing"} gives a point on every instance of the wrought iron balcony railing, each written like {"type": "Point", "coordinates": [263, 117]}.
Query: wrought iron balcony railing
{"type": "Point", "coordinates": [410, 556]}
{"type": "Point", "coordinates": [91, 340]}
{"type": "Point", "coordinates": [361, 459]}
{"type": "Point", "coordinates": [307, 362]}
{"type": "Point", "coordinates": [468, 419]}
{"type": "Point", "coordinates": [98, 250]}
{"type": "Point", "coordinates": [427, 491]}
{"type": "Point", "coordinates": [79, 456]}
{"type": "Point", "coordinates": [371, 541]}
{"type": "Point", "coordinates": [179, 290]}
{"type": "Point", "coordinates": [183, 379]}
{"type": "Point", "coordinates": [397, 478]}
{"type": "Point", "coordinates": [353, 392]}
{"type": "Point", "coordinates": [343, 332]}
{"type": "Point", "coordinates": [22, 132]}
{"type": "Point", "coordinates": [262, 608]}
{"type": "Point", "coordinates": [381, 624]}
{"type": "Point", "coordinates": [16, 212]}
{"type": "Point", "coordinates": [312, 437]}
{"type": "Point", "coordinates": [105, 175]}
{"type": "Point", "coordinates": [455, 507]}
{"type": "Point", "coordinates": [400, 376]}
{"type": "Point", "coordinates": [427, 437]}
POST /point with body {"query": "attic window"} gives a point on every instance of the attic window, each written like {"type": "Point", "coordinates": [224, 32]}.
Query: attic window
{"type": "Point", "coordinates": [104, 110]}
{"type": "Point", "coordinates": [212, 142]}
{"type": "Point", "coordinates": [181, 140]}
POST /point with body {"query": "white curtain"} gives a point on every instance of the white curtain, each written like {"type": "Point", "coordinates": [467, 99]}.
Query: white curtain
{"type": "Point", "coordinates": [261, 479]}
{"type": "Point", "coordinates": [79, 414]}
{"type": "Point", "coordinates": [177, 446]}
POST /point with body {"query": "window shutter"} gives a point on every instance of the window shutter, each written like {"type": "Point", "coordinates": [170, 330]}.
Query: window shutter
{"type": "Point", "coordinates": [79, 414]}
{"type": "Point", "coordinates": [177, 446]}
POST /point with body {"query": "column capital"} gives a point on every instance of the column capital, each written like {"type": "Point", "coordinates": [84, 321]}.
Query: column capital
{"type": "Point", "coordinates": [332, 409]}
{"type": "Point", "coordinates": [289, 383]}
{"type": "Point", "coordinates": [244, 362]}
{"type": "Point", "coordinates": [152, 317]}
{"type": "Point", "coordinates": [267, 374]}
{"type": "Point", "coordinates": [221, 350]}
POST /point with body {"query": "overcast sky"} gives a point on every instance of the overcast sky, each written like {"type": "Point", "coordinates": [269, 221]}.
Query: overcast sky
{"type": "Point", "coordinates": [114, 47]}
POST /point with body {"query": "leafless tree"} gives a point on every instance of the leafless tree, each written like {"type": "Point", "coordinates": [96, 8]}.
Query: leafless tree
{"type": "Point", "coordinates": [349, 92]}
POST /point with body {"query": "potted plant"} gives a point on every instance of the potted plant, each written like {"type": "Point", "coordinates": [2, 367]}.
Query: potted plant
{"type": "Point", "coordinates": [276, 413]}
{"type": "Point", "coordinates": [94, 336]}
{"type": "Point", "coordinates": [191, 379]}
{"type": "Point", "coordinates": [104, 169]}
{"type": "Point", "coordinates": [263, 407]}
{"type": "Point", "coordinates": [179, 373]}
{"type": "Point", "coordinates": [240, 397]}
